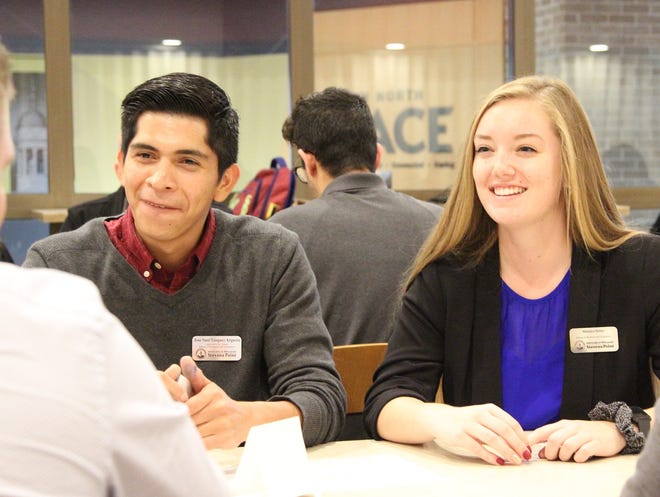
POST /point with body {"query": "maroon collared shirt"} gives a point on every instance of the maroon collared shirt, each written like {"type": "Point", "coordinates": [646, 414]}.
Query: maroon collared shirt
{"type": "Point", "coordinates": [123, 236]}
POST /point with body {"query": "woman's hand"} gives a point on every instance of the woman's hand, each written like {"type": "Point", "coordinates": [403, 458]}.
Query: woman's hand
{"type": "Point", "coordinates": [578, 440]}
{"type": "Point", "coordinates": [485, 431]}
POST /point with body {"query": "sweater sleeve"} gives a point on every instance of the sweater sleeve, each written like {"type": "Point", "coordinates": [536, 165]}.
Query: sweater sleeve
{"type": "Point", "coordinates": [34, 258]}
{"type": "Point", "coordinates": [646, 479]}
{"type": "Point", "coordinates": [298, 347]}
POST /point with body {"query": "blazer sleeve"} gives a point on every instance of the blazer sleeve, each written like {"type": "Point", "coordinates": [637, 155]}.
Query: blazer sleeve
{"type": "Point", "coordinates": [413, 364]}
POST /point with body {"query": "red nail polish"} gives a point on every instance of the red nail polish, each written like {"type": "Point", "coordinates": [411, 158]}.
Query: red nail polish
{"type": "Point", "coordinates": [527, 455]}
{"type": "Point", "coordinates": [500, 461]}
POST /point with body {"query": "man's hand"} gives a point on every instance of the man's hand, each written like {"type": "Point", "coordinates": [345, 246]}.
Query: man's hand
{"type": "Point", "coordinates": [170, 377]}
{"type": "Point", "coordinates": [222, 422]}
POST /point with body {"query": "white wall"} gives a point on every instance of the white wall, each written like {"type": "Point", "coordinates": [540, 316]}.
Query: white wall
{"type": "Point", "coordinates": [258, 87]}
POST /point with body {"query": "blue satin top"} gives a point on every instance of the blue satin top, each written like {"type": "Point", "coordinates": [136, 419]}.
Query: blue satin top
{"type": "Point", "coordinates": [533, 340]}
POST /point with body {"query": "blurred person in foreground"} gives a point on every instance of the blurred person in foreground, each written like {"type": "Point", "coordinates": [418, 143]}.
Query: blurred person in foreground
{"type": "Point", "coordinates": [83, 409]}
{"type": "Point", "coordinates": [645, 482]}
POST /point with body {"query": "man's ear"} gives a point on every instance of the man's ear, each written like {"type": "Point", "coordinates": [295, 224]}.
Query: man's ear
{"type": "Point", "coordinates": [119, 167]}
{"type": "Point", "coordinates": [379, 156]}
{"type": "Point", "coordinates": [310, 162]}
{"type": "Point", "coordinates": [227, 183]}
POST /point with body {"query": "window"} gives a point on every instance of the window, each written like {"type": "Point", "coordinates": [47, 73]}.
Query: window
{"type": "Point", "coordinates": [606, 51]}
{"type": "Point", "coordinates": [21, 25]}
{"type": "Point", "coordinates": [422, 67]}
{"type": "Point", "coordinates": [242, 46]}
{"type": "Point", "coordinates": [93, 53]}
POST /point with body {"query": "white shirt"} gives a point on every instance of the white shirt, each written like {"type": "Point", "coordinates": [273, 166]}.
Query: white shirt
{"type": "Point", "coordinates": [82, 410]}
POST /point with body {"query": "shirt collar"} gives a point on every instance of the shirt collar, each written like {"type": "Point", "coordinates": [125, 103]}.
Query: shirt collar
{"type": "Point", "coordinates": [354, 182]}
{"type": "Point", "coordinates": [123, 236]}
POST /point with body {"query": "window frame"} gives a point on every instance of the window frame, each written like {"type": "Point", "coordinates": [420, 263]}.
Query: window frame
{"type": "Point", "coordinates": [57, 54]}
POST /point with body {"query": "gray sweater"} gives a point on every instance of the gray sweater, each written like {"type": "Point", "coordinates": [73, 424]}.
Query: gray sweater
{"type": "Point", "coordinates": [360, 238]}
{"type": "Point", "coordinates": [646, 480]}
{"type": "Point", "coordinates": [255, 283]}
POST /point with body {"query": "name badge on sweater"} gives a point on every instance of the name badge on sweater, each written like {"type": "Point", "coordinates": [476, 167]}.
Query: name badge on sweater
{"type": "Point", "coordinates": [216, 348]}
{"type": "Point", "coordinates": [596, 339]}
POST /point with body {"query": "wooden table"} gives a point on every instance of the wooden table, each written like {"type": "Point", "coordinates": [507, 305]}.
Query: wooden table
{"type": "Point", "coordinates": [365, 468]}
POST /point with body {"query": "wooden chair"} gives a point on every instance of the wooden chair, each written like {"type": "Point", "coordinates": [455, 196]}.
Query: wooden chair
{"type": "Point", "coordinates": [356, 365]}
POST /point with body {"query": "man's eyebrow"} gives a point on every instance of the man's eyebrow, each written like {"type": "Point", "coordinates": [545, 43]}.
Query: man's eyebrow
{"type": "Point", "coordinates": [143, 146]}
{"type": "Point", "coordinates": [184, 151]}
{"type": "Point", "coordinates": [193, 152]}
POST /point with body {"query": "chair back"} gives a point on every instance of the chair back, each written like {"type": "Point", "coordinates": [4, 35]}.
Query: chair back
{"type": "Point", "coordinates": [356, 365]}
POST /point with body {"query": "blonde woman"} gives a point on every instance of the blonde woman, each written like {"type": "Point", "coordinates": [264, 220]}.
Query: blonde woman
{"type": "Point", "coordinates": [531, 300]}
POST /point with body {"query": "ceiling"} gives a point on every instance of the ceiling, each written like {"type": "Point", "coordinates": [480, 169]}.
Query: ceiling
{"type": "Point", "coordinates": [223, 27]}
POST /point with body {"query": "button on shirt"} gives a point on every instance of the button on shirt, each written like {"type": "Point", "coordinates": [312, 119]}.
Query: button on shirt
{"type": "Point", "coordinates": [121, 231]}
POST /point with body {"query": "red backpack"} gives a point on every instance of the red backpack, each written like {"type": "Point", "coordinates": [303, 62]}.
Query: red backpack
{"type": "Point", "coordinates": [270, 191]}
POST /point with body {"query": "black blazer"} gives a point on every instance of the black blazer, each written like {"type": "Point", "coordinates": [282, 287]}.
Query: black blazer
{"type": "Point", "coordinates": [110, 205]}
{"type": "Point", "coordinates": [5, 256]}
{"type": "Point", "coordinates": [655, 229]}
{"type": "Point", "coordinates": [449, 327]}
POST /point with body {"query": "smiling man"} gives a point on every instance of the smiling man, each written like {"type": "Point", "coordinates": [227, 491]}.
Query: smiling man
{"type": "Point", "coordinates": [234, 292]}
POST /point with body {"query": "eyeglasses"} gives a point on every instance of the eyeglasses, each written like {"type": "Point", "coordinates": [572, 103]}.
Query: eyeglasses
{"type": "Point", "coordinates": [301, 173]}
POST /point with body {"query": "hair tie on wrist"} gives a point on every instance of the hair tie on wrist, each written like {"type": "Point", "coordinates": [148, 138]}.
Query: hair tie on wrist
{"type": "Point", "coordinates": [622, 416]}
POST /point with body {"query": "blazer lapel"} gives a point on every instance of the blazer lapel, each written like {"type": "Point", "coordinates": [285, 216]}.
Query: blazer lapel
{"type": "Point", "coordinates": [577, 396]}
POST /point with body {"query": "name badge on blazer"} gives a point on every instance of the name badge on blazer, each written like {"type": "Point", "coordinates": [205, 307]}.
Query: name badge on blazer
{"type": "Point", "coordinates": [594, 340]}
{"type": "Point", "coordinates": [216, 348]}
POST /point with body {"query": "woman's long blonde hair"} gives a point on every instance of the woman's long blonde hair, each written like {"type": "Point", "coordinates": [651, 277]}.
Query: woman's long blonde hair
{"type": "Point", "coordinates": [593, 221]}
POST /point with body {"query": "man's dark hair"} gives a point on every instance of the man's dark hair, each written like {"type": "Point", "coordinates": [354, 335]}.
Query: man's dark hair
{"type": "Point", "coordinates": [187, 95]}
{"type": "Point", "coordinates": [337, 127]}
